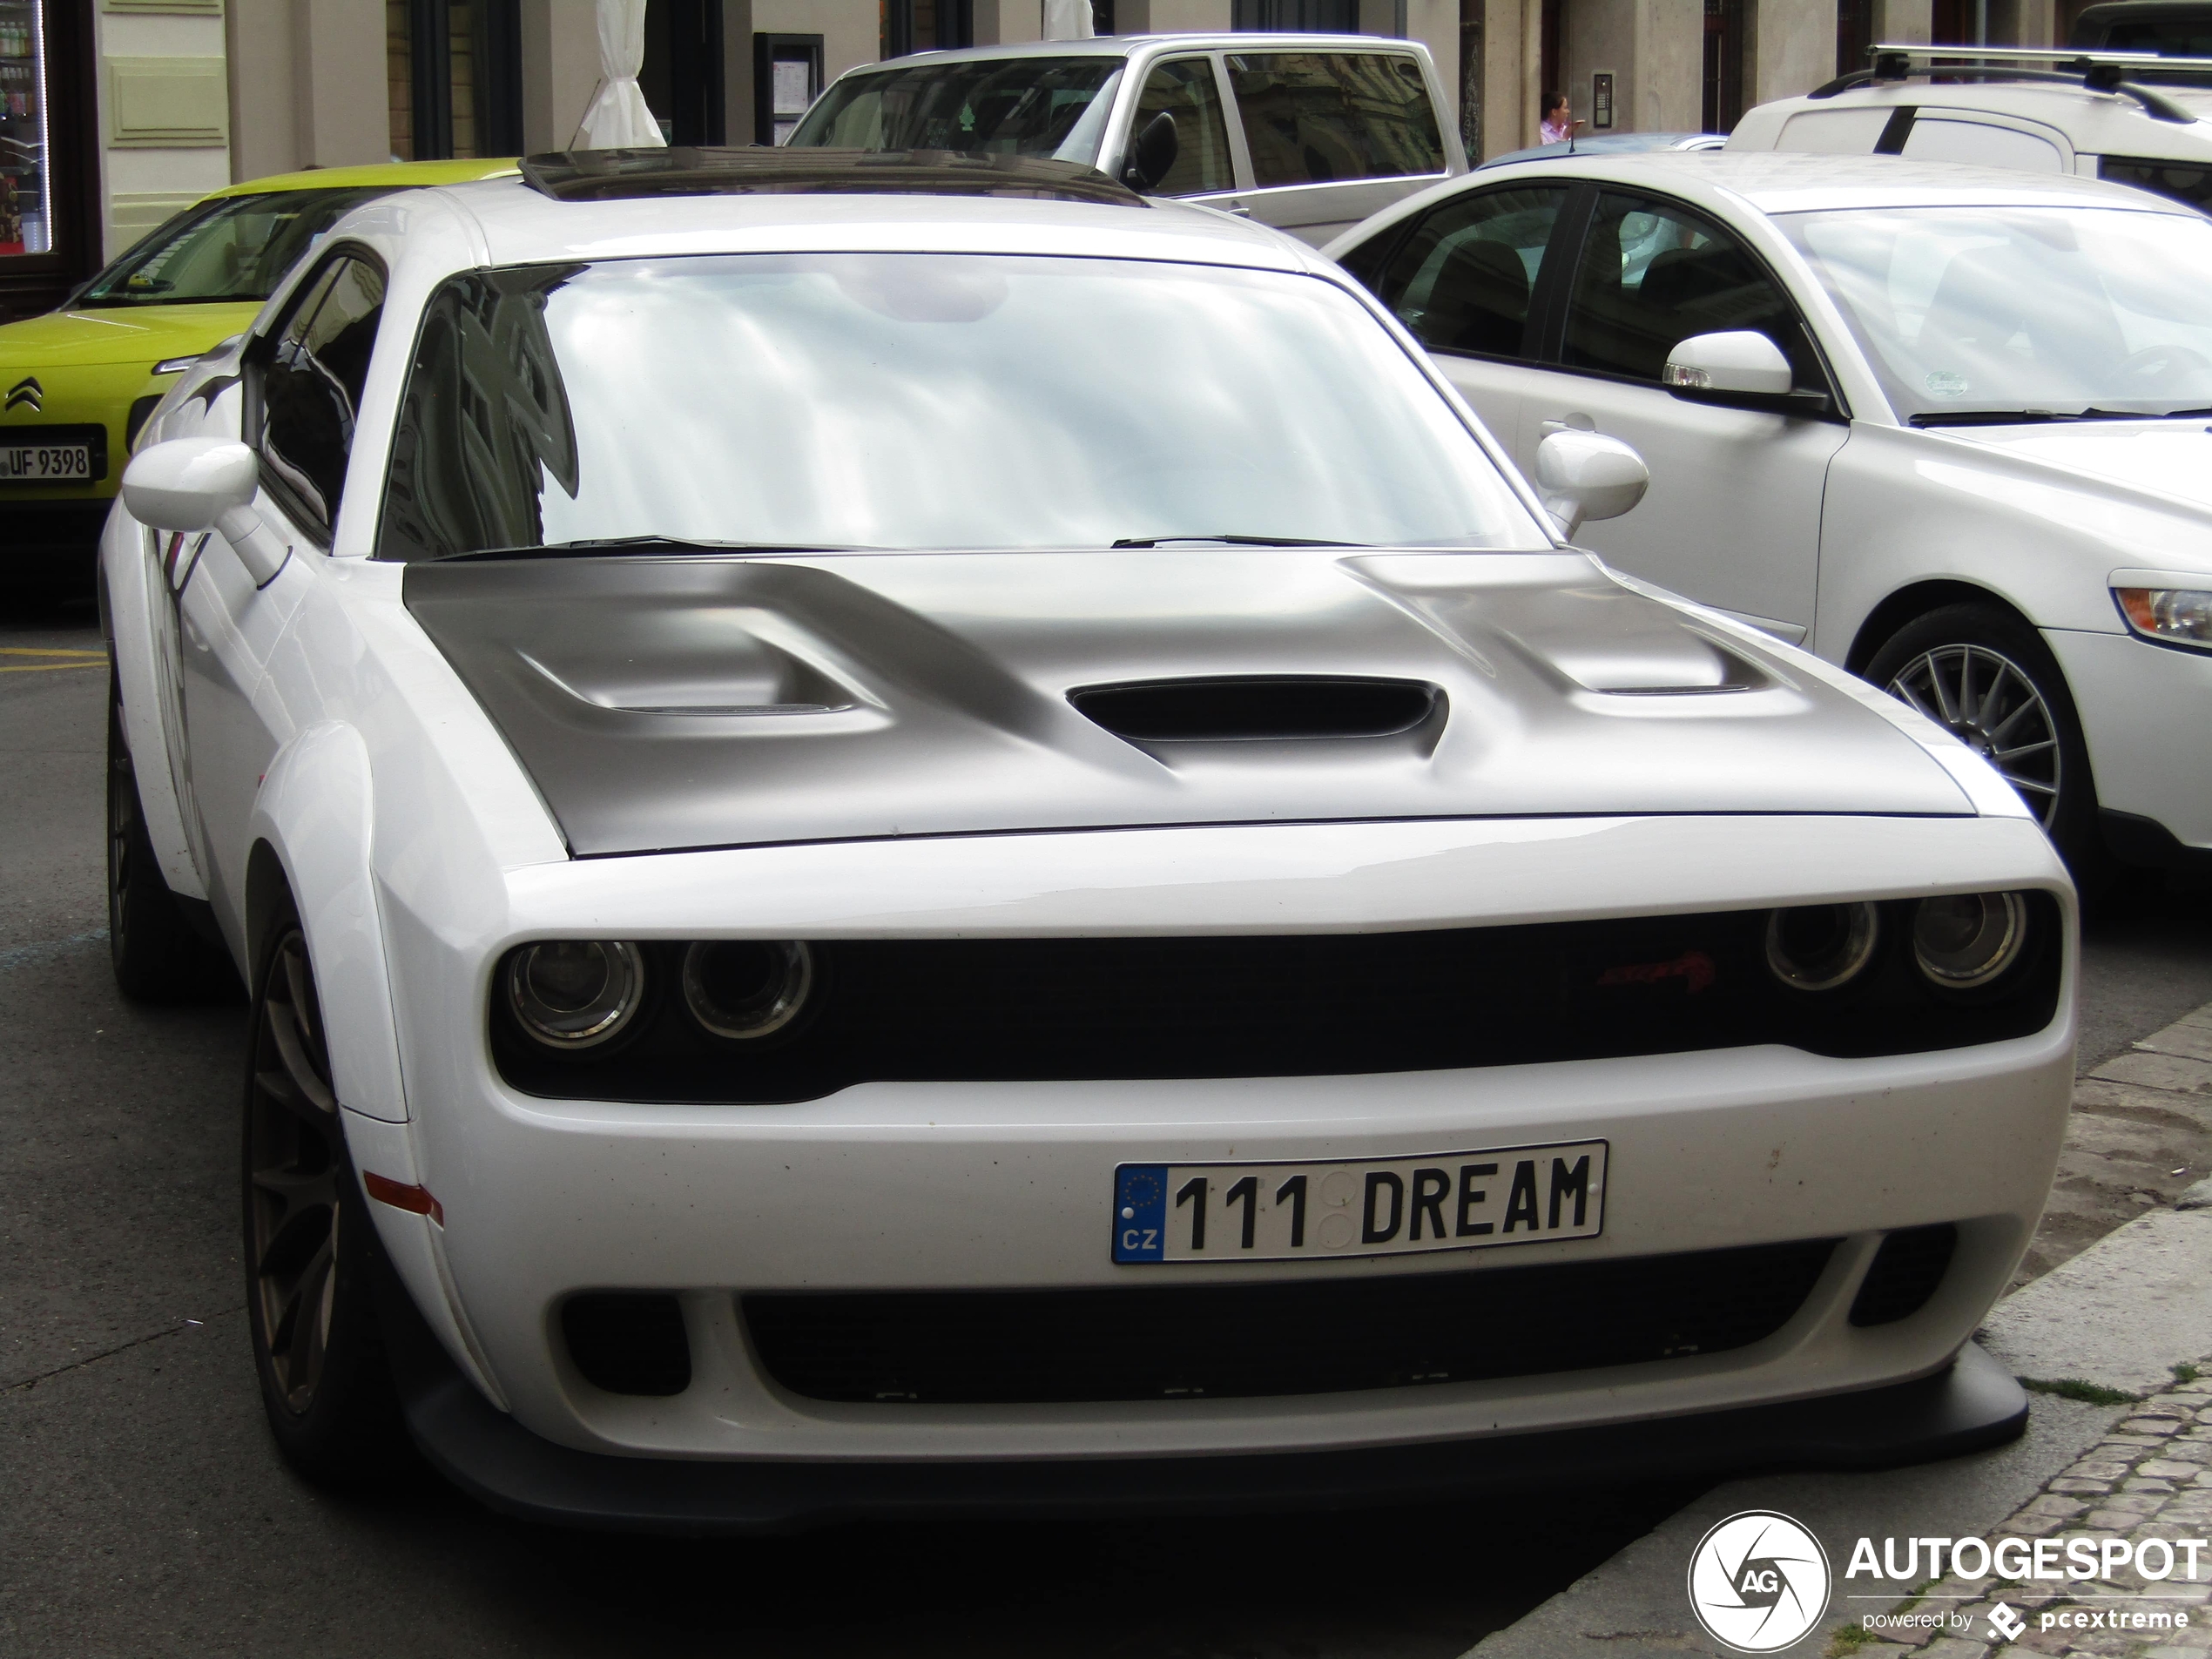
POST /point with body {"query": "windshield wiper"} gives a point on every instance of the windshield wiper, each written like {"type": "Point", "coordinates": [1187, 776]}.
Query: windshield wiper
{"type": "Point", "coordinates": [2034, 417]}
{"type": "Point", "coordinates": [1236, 540]}
{"type": "Point", "coordinates": [590, 547]}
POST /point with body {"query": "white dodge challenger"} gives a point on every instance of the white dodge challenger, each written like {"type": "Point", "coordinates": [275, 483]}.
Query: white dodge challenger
{"type": "Point", "coordinates": [910, 835]}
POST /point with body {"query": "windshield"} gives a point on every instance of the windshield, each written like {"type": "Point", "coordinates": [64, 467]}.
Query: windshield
{"type": "Point", "coordinates": [235, 249]}
{"type": "Point", "coordinates": [924, 400]}
{"type": "Point", "coordinates": [1055, 108]}
{"type": "Point", "coordinates": [1978, 312]}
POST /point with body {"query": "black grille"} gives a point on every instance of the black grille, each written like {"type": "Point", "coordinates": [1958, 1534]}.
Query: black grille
{"type": "Point", "coordinates": [1284, 1005]}
{"type": "Point", "coordinates": [628, 1343]}
{"type": "Point", "coordinates": [1905, 1274]}
{"type": "Point", "coordinates": [1286, 1337]}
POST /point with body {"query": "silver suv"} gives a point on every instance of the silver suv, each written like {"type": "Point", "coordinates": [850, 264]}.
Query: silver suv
{"type": "Point", "coordinates": [1309, 134]}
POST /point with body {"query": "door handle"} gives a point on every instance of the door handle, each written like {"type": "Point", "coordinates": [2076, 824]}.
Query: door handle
{"type": "Point", "coordinates": [1567, 423]}
{"type": "Point", "coordinates": [1238, 208]}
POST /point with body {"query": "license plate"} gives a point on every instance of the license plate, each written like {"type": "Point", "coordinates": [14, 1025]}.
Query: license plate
{"type": "Point", "coordinates": [1272, 1212]}
{"type": "Point", "coordinates": [44, 463]}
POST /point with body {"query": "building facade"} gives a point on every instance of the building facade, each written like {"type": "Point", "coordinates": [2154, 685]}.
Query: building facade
{"type": "Point", "coordinates": [115, 114]}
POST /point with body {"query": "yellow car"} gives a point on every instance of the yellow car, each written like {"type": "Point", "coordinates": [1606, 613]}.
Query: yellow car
{"type": "Point", "coordinates": [78, 383]}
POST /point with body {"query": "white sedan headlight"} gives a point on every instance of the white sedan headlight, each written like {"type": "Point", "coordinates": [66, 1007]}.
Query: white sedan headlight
{"type": "Point", "coordinates": [2170, 615]}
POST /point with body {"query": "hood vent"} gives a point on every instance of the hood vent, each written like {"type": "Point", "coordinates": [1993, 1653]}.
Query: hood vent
{"type": "Point", "coordinates": [1258, 708]}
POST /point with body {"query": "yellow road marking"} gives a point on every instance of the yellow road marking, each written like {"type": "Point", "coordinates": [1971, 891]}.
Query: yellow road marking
{"type": "Point", "coordinates": [33, 651]}
{"type": "Point", "coordinates": [44, 668]}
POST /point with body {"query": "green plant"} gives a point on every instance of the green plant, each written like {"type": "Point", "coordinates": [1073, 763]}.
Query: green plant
{"type": "Point", "coordinates": [1847, 1639]}
{"type": "Point", "coordinates": [2088, 1393]}
{"type": "Point", "coordinates": [2186, 1372]}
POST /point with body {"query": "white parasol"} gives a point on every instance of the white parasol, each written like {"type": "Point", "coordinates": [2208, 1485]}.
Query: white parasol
{"type": "Point", "coordinates": [618, 117]}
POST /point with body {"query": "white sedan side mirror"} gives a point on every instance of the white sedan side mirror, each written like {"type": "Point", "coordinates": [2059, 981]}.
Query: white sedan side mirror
{"type": "Point", "coordinates": [1739, 361]}
{"type": "Point", "coordinates": [190, 484]}
{"type": "Point", "coordinates": [1583, 476]}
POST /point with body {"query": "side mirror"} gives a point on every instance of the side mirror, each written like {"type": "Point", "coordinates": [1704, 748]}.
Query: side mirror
{"type": "Point", "coordinates": [192, 484]}
{"type": "Point", "coordinates": [1152, 154]}
{"type": "Point", "coordinates": [1582, 476]}
{"type": "Point", "coordinates": [1739, 362]}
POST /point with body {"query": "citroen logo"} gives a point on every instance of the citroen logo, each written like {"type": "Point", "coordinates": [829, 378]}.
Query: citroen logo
{"type": "Point", "coordinates": [26, 393]}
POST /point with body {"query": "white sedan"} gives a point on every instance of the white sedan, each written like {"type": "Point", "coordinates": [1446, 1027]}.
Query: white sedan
{"type": "Point", "coordinates": [1947, 426]}
{"type": "Point", "coordinates": [941, 849]}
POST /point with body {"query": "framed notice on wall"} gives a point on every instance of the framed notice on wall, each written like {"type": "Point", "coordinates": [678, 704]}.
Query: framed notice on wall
{"type": "Point", "coordinates": [786, 77]}
{"type": "Point", "coordinates": [1601, 100]}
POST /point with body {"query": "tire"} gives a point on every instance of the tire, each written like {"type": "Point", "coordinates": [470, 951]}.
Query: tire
{"type": "Point", "coordinates": [310, 1246]}
{"type": "Point", "coordinates": [158, 955]}
{"type": "Point", "coordinates": [1986, 677]}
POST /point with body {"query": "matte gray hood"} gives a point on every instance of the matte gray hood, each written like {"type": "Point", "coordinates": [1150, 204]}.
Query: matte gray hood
{"type": "Point", "coordinates": [664, 703]}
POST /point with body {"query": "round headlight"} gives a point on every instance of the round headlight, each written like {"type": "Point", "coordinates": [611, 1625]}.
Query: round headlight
{"type": "Point", "coordinates": [576, 993]}
{"type": "Point", "coordinates": [747, 987]}
{"type": "Point", "coordinates": [1968, 939]}
{"type": "Point", "coordinates": [1818, 947]}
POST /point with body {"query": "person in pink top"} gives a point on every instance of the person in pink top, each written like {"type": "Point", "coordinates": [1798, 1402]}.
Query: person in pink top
{"type": "Point", "coordinates": [1559, 122]}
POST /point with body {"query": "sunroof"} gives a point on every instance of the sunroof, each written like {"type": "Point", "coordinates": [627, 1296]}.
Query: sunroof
{"type": "Point", "coordinates": [686, 170]}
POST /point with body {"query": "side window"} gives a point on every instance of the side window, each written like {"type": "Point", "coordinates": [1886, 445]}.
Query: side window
{"type": "Point", "coordinates": [312, 386]}
{"type": "Point", "coordinates": [1317, 118]}
{"type": "Point", "coordinates": [1462, 279]}
{"type": "Point", "coordinates": [2188, 183]}
{"type": "Point", "coordinates": [1652, 274]}
{"type": "Point", "coordinates": [1185, 88]}
{"type": "Point", "coordinates": [1981, 144]}
{"type": "Point", "coordinates": [1836, 132]}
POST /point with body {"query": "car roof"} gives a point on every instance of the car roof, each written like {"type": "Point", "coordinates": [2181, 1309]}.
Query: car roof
{"type": "Point", "coordinates": [394, 175]}
{"type": "Point", "coordinates": [2099, 123]}
{"type": "Point", "coordinates": [1789, 181]}
{"type": "Point", "coordinates": [1126, 46]}
{"type": "Point", "coordinates": [507, 221]}
{"type": "Point", "coordinates": [1606, 144]}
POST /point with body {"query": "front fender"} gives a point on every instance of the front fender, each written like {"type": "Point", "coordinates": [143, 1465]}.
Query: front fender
{"type": "Point", "coordinates": [315, 814]}
{"type": "Point", "coordinates": [134, 598]}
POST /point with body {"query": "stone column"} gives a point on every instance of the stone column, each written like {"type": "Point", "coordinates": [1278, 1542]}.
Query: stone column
{"type": "Point", "coordinates": [1905, 23]}
{"type": "Point", "coordinates": [1790, 48]}
{"type": "Point", "coordinates": [561, 70]}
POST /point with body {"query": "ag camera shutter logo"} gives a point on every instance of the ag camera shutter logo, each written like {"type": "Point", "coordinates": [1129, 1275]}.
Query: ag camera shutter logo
{"type": "Point", "coordinates": [1758, 1581]}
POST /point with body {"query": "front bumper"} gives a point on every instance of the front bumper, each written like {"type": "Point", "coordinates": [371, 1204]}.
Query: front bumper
{"type": "Point", "coordinates": [1967, 1406]}
{"type": "Point", "coordinates": [2147, 712]}
{"type": "Point", "coordinates": [892, 1187]}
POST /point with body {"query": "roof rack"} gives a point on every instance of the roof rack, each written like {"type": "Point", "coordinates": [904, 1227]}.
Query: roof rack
{"type": "Point", "coordinates": [2097, 72]}
{"type": "Point", "coordinates": [686, 170]}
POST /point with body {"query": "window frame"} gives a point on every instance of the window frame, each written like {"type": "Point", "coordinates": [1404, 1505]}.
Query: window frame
{"type": "Point", "coordinates": [1563, 259]}
{"type": "Point", "coordinates": [1240, 160]}
{"type": "Point", "coordinates": [1240, 143]}
{"type": "Point", "coordinates": [1565, 228]}
{"type": "Point", "coordinates": [253, 413]}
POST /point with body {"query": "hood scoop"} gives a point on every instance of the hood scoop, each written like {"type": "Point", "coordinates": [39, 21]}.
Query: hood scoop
{"type": "Point", "coordinates": [1258, 708]}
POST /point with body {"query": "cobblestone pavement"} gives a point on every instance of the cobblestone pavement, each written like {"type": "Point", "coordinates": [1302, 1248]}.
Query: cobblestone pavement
{"type": "Point", "coordinates": [2141, 1136]}
{"type": "Point", "coordinates": [2150, 1477]}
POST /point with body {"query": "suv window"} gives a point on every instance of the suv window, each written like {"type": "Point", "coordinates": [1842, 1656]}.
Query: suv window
{"type": "Point", "coordinates": [1981, 144]}
{"type": "Point", "coordinates": [1462, 279]}
{"type": "Point", "coordinates": [1652, 274]}
{"type": "Point", "coordinates": [312, 385]}
{"type": "Point", "coordinates": [1317, 117]}
{"type": "Point", "coordinates": [1185, 88]}
{"type": "Point", "coordinates": [2184, 181]}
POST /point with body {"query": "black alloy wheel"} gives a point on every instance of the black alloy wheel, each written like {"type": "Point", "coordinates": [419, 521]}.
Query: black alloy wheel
{"type": "Point", "coordinates": [1986, 677]}
{"type": "Point", "coordinates": [310, 1248]}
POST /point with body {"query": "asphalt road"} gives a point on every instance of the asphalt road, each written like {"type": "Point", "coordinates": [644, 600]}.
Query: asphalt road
{"type": "Point", "coordinates": [143, 1510]}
